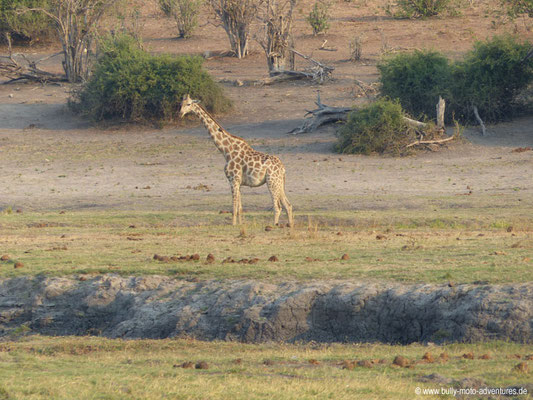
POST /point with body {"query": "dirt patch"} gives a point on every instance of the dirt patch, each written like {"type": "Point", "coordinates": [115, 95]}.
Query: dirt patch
{"type": "Point", "coordinates": [51, 159]}
{"type": "Point", "coordinates": [158, 307]}
{"type": "Point", "coordinates": [84, 169]}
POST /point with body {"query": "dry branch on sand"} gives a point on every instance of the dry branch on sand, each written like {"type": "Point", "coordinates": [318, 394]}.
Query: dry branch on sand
{"type": "Point", "coordinates": [426, 135]}
{"type": "Point", "coordinates": [362, 89]}
{"type": "Point", "coordinates": [319, 72]}
{"type": "Point", "coordinates": [321, 116]}
{"type": "Point", "coordinates": [15, 71]}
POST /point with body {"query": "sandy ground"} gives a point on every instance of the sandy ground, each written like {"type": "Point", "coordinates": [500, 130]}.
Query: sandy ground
{"type": "Point", "coordinates": [46, 168]}
{"type": "Point", "coordinates": [51, 159]}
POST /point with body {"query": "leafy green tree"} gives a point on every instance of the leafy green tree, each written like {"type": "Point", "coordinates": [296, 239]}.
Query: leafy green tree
{"type": "Point", "coordinates": [31, 26]}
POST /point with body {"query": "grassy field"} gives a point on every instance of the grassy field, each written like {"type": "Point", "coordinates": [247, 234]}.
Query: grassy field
{"type": "Point", "coordinates": [95, 368]}
{"type": "Point", "coordinates": [401, 245]}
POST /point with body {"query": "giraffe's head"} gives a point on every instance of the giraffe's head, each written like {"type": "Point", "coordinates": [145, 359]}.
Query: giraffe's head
{"type": "Point", "coordinates": [187, 105]}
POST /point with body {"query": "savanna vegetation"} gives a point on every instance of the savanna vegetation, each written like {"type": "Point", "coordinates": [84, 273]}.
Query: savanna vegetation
{"type": "Point", "coordinates": [131, 84]}
{"type": "Point", "coordinates": [19, 27]}
{"type": "Point", "coordinates": [318, 18]}
{"type": "Point", "coordinates": [80, 367]}
{"type": "Point", "coordinates": [405, 246]}
{"type": "Point", "coordinates": [377, 128]}
{"type": "Point", "coordinates": [489, 77]}
{"type": "Point", "coordinates": [184, 12]}
{"type": "Point", "coordinates": [88, 211]}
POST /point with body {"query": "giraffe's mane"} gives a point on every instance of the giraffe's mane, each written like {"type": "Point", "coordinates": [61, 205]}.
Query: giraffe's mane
{"type": "Point", "coordinates": [219, 125]}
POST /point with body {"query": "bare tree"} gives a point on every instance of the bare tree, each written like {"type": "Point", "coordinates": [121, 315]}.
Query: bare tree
{"type": "Point", "coordinates": [75, 22]}
{"type": "Point", "coordinates": [237, 17]}
{"type": "Point", "coordinates": [277, 35]}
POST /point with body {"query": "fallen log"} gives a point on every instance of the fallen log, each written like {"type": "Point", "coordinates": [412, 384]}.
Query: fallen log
{"type": "Point", "coordinates": [414, 123]}
{"type": "Point", "coordinates": [281, 76]}
{"type": "Point", "coordinates": [439, 141]}
{"type": "Point", "coordinates": [326, 48]}
{"type": "Point", "coordinates": [320, 71]}
{"type": "Point", "coordinates": [321, 116]}
{"type": "Point", "coordinates": [15, 71]}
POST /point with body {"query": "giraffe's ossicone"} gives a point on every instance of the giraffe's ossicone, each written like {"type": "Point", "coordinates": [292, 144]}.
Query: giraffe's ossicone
{"type": "Point", "coordinates": [244, 165]}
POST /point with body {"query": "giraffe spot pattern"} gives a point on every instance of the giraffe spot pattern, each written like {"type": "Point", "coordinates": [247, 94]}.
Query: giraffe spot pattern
{"type": "Point", "coordinates": [244, 165]}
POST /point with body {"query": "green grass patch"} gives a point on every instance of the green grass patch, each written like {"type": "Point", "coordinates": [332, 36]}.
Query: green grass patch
{"type": "Point", "coordinates": [90, 367]}
{"type": "Point", "coordinates": [406, 245]}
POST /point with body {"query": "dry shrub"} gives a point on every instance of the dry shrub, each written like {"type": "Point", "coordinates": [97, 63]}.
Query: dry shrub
{"type": "Point", "coordinates": [184, 12]}
{"type": "Point", "coordinates": [356, 48]}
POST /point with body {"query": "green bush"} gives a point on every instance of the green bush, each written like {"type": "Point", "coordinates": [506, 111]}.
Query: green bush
{"type": "Point", "coordinates": [131, 84]}
{"type": "Point", "coordinates": [421, 8]}
{"type": "Point", "coordinates": [417, 79]}
{"type": "Point", "coordinates": [490, 77]}
{"type": "Point", "coordinates": [376, 128]}
{"type": "Point", "coordinates": [31, 25]}
{"type": "Point", "coordinates": [518, 7]}
{"type": "Point", "coordinates": [318, 18]}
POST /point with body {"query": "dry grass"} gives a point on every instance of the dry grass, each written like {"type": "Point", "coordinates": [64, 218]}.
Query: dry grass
{"type": "Point", "coordinates": [89, 368]}
{"type": "Point", "coordinates": [408, 246]}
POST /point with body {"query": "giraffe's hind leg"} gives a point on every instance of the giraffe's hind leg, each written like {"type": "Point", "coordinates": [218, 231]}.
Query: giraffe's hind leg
{"type": "Point", "coordinates": [275, 192]}
{"type": "Point", "coordinates": [288, 208]}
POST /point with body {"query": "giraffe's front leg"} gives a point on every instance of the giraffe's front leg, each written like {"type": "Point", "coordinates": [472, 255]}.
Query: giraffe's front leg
{"type": "Point", "coordinates": [237, 207]}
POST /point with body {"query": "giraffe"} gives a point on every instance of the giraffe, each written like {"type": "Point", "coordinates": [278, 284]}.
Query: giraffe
{"type": "Point", "coordinates": [244, 165]}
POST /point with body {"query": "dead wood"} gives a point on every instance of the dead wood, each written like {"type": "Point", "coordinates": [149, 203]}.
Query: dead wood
{"type": "Point", "coordinates": [321, 116]}
{"type": "Point", "coordinates": [320, 71]}
{"type": "Point", "coordinates": [363, 89]}
{"type": "Point", "coordinates": [281, 76]}
{"type": "Point", "coordinates": [415, 123]}
{"type": "Point", "coordinates": [441, 106]}
{"type": "Point", "coordinates": [483, 129]}
{"type": "Point", "coordinates": [326, 114]}
{"type": "Point", "coordinates": [425, 142]}
{"type": "Point", "coordinates": [326, 48]}
{"type": "Point", "coordinates": [15, 70]}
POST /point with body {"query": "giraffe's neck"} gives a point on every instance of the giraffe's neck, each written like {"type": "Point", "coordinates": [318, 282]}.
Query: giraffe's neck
{"type": "Point", "coordinates": [223, 140]}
